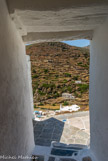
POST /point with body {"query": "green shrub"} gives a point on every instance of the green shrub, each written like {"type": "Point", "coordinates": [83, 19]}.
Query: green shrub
{"type": "Point", "coordinates": [69, 88]}
{"type": "Point", "coordinates": [46, 71]}
{"type": "Point", "coordinates": [84, 65]}
{"type": "Point", "coordinates": [34, 90]}
{"type": "Point", "coordinates": [51, 43]}
{"type": "Point", "coordinates": [56, 95]}
{"type": "Point", "coordinates": [33, 71]}
{"type": "Point", "coordinates": [49, 96]}
{"type": "Point", "coordinates": [86, 54]}
{"type": "Point", "coordinates": [45, 85]}
{"type": "Point", "coordinates": [80, 63]}
{"type": "Point", "coordinates": [56, 76]}
{"type": "Point", "coordinates": [83, 87]}
{"type": "Point", "coordinates": [36, 85]}
{"type": "Point", "coordinates": [64, 48]}
{"type": "Point", "coordinates": [52, 85]}
{"type": "Point", "coordinates": [65, 81]}
{"type": "Point", "coordinates": [77, 95]}
{"type": "Point", "coordinates": [67, 74]}
{"type": "Point", "coordinates": [41, 104]}
{"type": "Point", "coordinates": [64, 89]}
{"type": "Point", "coordinates": [35, 76]}
{"type": "Point", "coordinates": [34, 106]}
{"type": "Point", "coordinates": [53, 104]}
{"type": "Point", "coordinates": [75, 77]}
{"type": "Point", "coordinates": [59, 86]}
{"type": "Point", "coordinates": [65, 103]}
{"type": "Point", "coordinates": [41, 93]}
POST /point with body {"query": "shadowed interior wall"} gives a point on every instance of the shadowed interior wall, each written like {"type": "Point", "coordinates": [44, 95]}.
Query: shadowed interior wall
{"type": "Point", "coordinates": [99, 93]}
{"type": "Point", "coordinates": [16, 130]}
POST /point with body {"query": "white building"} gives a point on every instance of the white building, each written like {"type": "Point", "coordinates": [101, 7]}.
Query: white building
{"type": "Point", "coordinates": [67, 96]}
{"type": "Point", "coordinates": [69, 108]}
{"type": "Point", "coordinates": [78, 82]}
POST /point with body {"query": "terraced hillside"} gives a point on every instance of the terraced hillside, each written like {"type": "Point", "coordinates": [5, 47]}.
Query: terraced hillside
{"type": "Point", "coordinates": [56, 68]}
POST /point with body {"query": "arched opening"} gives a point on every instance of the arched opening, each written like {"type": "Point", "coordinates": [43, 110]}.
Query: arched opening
{"type": "Point", "coordinates": [60, 82]}
{"type": "Point", "coordinates": [30, 21]}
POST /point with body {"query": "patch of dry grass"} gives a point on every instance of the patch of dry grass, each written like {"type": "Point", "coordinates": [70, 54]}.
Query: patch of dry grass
{"type": "Point", "coordinates": [50, 107]}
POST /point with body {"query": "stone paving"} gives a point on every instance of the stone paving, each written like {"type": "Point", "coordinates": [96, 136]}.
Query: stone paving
{"type": "Point", "coordinates": [74, 131]}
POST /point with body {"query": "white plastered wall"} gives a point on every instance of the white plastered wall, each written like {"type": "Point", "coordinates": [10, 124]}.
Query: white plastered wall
{"type": "Point", "coordinates": [30, 82]}
{"type": "Point", "coordinates": [99, 93]}
{"type": "Point", "coordinates": [16, 129]}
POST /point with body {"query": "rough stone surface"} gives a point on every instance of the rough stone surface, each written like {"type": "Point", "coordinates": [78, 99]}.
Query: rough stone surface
{"type": "Point", "coordinates": [99, 92]}
{"type": "Point", "coordinates": [62, 152]}
{"type": "Point", "coordinates": [51, 159]}
{"type": "Point", "coordinates": [57, 20]}
{"type": "Point", "coordinates": [55, 130]}
{"type": "Point", "coordinates": [16, 129]}
{"type": "Point", "coordinates": [67, 159]}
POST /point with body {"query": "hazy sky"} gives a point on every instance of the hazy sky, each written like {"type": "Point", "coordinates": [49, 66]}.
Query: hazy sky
{"type": "Point", "coordinates": [79, 43]}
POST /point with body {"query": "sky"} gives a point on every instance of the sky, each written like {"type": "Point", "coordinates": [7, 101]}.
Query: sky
{"type": "Point", "coordinates": [78, 43]}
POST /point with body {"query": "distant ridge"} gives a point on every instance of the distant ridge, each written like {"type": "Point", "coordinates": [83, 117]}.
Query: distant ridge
{"type": "Point", "coordinates": [87, 47]}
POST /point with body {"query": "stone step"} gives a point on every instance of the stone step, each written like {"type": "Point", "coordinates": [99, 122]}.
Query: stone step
{"type": "Point", "coordinates": [67, 159]}
{"type": "Point", "coordinates": [62, 152]}
{"type": "Point", "coordinates": [69, 146]}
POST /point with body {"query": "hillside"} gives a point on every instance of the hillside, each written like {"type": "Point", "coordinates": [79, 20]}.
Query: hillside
{"type": "Point", "coordinates": [55, 69]}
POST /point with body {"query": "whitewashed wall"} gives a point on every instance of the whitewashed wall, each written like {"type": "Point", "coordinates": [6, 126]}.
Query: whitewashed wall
{"type": "Point", "coordinates": [99, 93]}
{"type": "Point", "coordinates": [30, 83]}
{"type": "Point", "coordinates": [16, 130]}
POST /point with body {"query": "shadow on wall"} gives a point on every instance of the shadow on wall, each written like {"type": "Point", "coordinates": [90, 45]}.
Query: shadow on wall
{"type": "Point", "coordinates": [47, 131]}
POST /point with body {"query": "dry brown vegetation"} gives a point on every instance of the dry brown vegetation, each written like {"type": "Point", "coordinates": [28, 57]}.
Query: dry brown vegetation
{"type": "Point", "coordinates": [55, 68]}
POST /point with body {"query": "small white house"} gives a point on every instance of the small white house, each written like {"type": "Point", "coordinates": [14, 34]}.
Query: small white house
{"type": "Point", "coordinates": [68, 108]}
{"type": "Point", "coordinates": [78, 82]}
{"type": "Point", "coordinates": [68, 96]}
